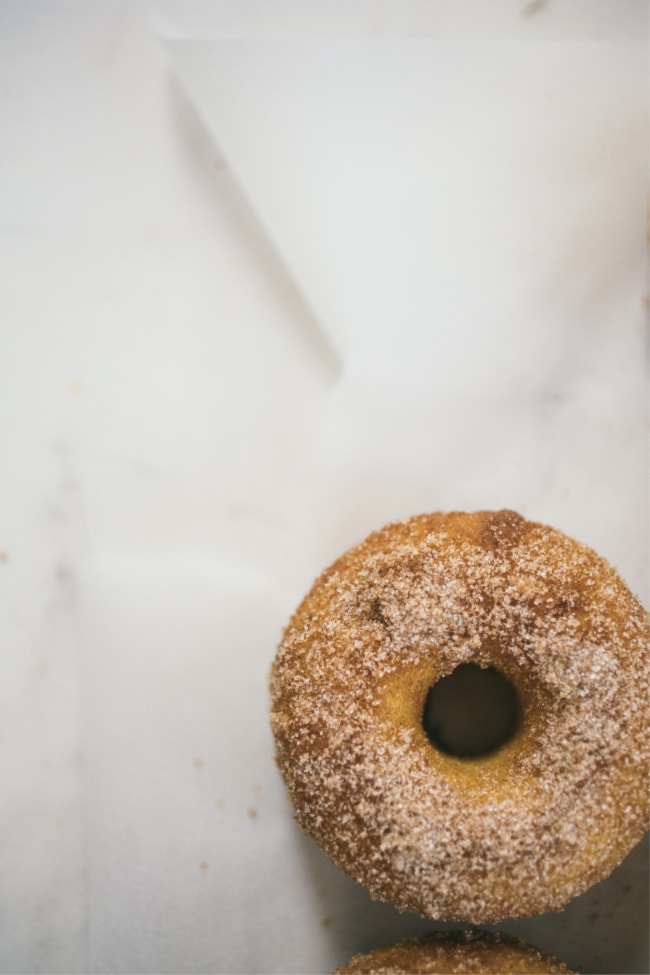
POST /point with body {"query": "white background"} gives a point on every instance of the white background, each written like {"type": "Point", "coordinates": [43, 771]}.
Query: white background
{"type": "Point", "coordinates": [252, 308]}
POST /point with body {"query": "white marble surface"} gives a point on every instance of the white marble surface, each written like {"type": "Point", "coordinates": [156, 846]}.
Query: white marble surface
{"type": "Point", "coordinates": [201, 404]}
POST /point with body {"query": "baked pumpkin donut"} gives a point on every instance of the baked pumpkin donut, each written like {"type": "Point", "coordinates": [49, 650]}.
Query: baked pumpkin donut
{"type": "Point", "coordinates": [455, 953]}
{"type": "Point", "coordinates": [467, 835]}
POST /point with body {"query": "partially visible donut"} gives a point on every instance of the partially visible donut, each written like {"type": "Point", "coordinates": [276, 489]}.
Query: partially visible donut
{"type": "Point", "coordinates": [454, 953]}
{"type": "Point", "coordinates": [515, 832]}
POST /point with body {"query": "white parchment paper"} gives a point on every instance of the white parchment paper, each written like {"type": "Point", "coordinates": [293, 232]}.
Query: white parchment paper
{"type": "Point", "coordinates": [461, 206]}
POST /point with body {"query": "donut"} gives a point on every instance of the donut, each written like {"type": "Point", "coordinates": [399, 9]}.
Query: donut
{"type": "Point", "coordinates": [455, 952]}
{"type": "Point", "coordinates": [469, 835]}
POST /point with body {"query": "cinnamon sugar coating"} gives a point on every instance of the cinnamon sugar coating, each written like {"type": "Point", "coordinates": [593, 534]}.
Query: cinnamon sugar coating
{"type": "Point", "coordinates": [455, 953]}
{"type": "Point", "coordinates": [520, 831]}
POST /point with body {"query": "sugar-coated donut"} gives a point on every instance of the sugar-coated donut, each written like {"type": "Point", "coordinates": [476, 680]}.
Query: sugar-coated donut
{"type": "Point", "coordinates": [453, 953]}
{"type": "Point", "coordinates": [515, 832]}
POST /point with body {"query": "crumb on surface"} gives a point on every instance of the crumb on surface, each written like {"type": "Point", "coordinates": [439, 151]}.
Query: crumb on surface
{"type": "Point", "coordinates": [533, 7]}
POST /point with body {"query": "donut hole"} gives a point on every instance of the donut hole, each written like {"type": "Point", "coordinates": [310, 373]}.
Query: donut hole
{"type": "Point", "coordinates": [471, 712]}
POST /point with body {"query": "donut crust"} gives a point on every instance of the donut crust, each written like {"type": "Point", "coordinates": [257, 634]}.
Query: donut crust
{"type": "Point", "coordinates": [514, 833]}
{"type": "Point", "coordinates": [455, 953]}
